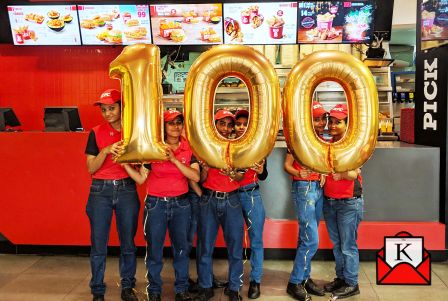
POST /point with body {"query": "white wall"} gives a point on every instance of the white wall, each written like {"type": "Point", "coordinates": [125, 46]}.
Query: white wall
{"type": "Point", "coordinates": [405, 12]}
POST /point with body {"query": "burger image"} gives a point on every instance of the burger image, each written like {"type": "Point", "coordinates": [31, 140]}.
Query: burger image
{"type": "Point", "coordinates": [114, 37]}
{"type": "Point", "coordinates": [177, 35]}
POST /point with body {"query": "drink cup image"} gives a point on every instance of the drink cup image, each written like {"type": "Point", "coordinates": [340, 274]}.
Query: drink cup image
{"type": "Point", "coordinates": [325, 22]}
{"type": "Point", "coordinates": [428, 18]}
{"type": "Point", "coordinates": [245, 16]}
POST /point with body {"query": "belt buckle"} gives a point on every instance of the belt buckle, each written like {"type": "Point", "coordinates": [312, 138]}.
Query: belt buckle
{"type": "Point", "coordinates": [220, 195]}
{"type": "Point", "coordinates": [116, 182]}
{"type": "Point", "coordinates": [166, 199]}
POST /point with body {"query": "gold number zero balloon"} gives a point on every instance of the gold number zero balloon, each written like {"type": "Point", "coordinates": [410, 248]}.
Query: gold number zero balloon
{"type": "Point", "coordinates": [358, 143]}
{"type": "Point", "coordinates": [138, 67]}
{"type": "Point", "coordinates": [261, 80]}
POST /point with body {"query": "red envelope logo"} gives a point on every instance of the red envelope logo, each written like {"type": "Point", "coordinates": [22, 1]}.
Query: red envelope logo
{"type": "Point", "coordinates": [403, 261]}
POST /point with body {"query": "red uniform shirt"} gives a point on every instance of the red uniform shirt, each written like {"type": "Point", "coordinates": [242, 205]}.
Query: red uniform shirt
{"type": "Point", "coordinates": [106, 135]}
{"type": "Point", "coordinates": [314, 176]}
{"type": "Point", "coordinates": [249, 177]}
{"type": "Point", "coordinates": [218, 182]}
{"type": "Point", "coordinates": [165, 179]}
{"type": "Point", "coordinates": [343, 189]}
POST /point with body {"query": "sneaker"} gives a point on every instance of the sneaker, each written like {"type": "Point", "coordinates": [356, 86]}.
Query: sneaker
{"type": "Point", "coordinates": [128, 294]}
{"type": "Point", "coordinates": [346, 291]}
{"type": "Point", "coordinates": [185, 296]}
{"type": "Point", "coordinates": [193, 286]}
{"type": "Point", "coordinates": [204, 294]}
{"type": "Point", "coordinates": [154, 297]}
{"type": "Point", "coordinates": [334, 285]}
{"type": "Point", "coordinates": [219, 283]}
{"type": "Point", "coordinates": [298, 292]}
{"type": "Point", "coordinates": [254, 290]}
{"type": "Point", "coordinates": [234, 296]}
{"type": "Point", "coordinates": [312, 288]}
{"type": "Point", "coordinates": [98, 298]}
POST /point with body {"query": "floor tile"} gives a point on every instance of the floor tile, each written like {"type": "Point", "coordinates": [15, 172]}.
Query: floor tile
{"type": "Point", "coordinates": [16, 263]}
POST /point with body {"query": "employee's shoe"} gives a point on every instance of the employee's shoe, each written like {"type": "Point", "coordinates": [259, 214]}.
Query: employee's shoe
{"type": "Point", "coordinates": [204, 294]}
{"type": "Point", "coordinates": [346, 291]}
{"type": "Point", "coordinates": [185, 296]}
{"type": "Point", "coordinates": [98, 298]}
{"type": "Point", "coordinates": [254, 290]}
{"type": "Point", "coordinates": [128, 294]}
{"type": "Point", "coordinates": [234, 296]}
{"type": "Point", "coordinates": [193, 286]}
{"type": "Point", "coordinates": [154, 297]}
{"type": "Point", "coordinates": [219, 283]}
{"type": "Point", "coordinates": [298, 292]}
{"type": "Point", "coordinates": [334, 285]}
{"type": "Point", "coordinates": [312, 288]}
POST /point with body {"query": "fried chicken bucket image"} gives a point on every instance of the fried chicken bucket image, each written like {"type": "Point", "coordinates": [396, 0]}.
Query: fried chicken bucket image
{"type": "Point", "coordinates": [276, 27]}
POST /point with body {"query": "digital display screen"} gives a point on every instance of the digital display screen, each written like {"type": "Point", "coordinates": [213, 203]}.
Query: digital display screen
{"type": "Point", "coordinates": [434, 25]}
{"type": "Point", "coordinates": [114, 24]}
{"type": "Point", "coordinates": [260, 23]}
{"type": "Point", "coordinates": [335, 21]}
{"type": "Point", "coordinates": [44, 25]}
{"type": "Point", "coordinates": [187, 24]}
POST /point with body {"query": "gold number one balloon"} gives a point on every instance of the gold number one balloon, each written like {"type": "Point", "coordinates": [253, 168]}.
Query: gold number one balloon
{"type": "Point", "coordinates": [138, 68]}
{"type": "Point", "coordinates": [359, 141]}
{"type": "Point", "coordinates": [264, 90]}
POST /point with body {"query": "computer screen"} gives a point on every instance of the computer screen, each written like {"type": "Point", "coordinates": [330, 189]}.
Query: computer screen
{"type": "Point", "coordinates": [8, 118]}
{"type": "Point", "coordinates": [62, 119]}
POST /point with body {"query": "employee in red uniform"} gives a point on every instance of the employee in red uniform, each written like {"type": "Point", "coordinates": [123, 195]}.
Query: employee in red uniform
{"type": "Point", "coordinates": [168, 208]}
{"type": "Point", "coordinates": [220, 205]}
{"type": "Point", "coordinates": [253, 210]}
{"type": "Point", "coordinates": [307, 195]}
{"type": "Point", "coordinates": [111, 190]}
{"type": "Point", "coordinates": [343, 211]}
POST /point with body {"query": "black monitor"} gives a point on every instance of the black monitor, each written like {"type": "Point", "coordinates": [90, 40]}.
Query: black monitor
{"type": "Point", "coordinates": [8, 118]}
{"type": "Point", "coordinates": [62, 119]}
{"type": "Point", "coordinates": [384, 10]}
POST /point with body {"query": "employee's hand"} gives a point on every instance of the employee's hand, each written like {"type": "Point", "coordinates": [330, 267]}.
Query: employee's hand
{"type": "Point", "coordinates": [170, 155]}
{"type": "Point", "coordinates": [338, 176]}
{"type": "Point", "coordinates": [204, 166]}
{"type": "Point", "coordinates": [304, 173]}
{"type": "Point", "coordinates": [114, 149]}
{"type": "Point", "coordinates": [323, 179]}
{"type": "Point", "coordinates": [258, 167]}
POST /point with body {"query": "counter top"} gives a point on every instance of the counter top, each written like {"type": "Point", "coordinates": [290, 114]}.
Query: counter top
{"type": "Point", "coordinates": [379, 144]}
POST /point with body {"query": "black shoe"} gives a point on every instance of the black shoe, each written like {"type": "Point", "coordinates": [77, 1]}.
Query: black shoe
{"type": "Point", "coordinates": [312, 288]}
{"type": "Point", "coordinates": [185, 296]}
{"type": "Point", "coordinates": [154, 297]}
{"type": "Point", "coordinates": [219, 283]}
{"type": "Point", "coordinates": [226, 290]}
{"type": "Point", "coordinates": [98, 298]}
{"type": "Point", "coordinates": [193, 287]}
{"type": "Point", "coordinates": [334, 285]}
{"type": "Point", "coordinates": [298, 292]}
{"type": "Point", "coordinates": [128, 294]}
{"type": "Point", "coordinates": [234, 296]}
{"type": "Point", "coordinates": [346, 291]}
{"type": "Point", "coordinates": [204, 294]}
{"type": "Point", "coordinates": [254, 290]}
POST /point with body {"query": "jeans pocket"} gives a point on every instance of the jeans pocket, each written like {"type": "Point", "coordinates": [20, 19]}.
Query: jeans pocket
{"type": "Point", "coordinates": [129, 188]}
{"type": "Point", "coordinates": [151, 204]}
{"type": "Point", "coordinates": [96, 188]}
{"type": "Point", "coordinates": [234, 202]}
{"type": "Point", "coordinates": [183, 203]}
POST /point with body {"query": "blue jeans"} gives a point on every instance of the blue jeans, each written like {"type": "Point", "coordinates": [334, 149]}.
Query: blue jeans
{"type": "Point", "coordinates": [104, 198]}
{"type": "Point", "coordinates": [342, 217]}
{"type": "Point", "coordinates": [194, 201]}
{"type": "Point", "coordinates": [308, 199]}
{"type": "Point", "coordinates": [159, 216]}
{"type": "Point", "coordinates": [227, 213]}
{"type": "Point", "coordinates": [254, 214]}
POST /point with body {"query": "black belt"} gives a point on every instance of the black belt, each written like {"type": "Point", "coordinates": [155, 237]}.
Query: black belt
{"type": "Point", "coordinates": [306, 180]}
{"type": "Point", "coordinates": [250, 189]}
{"type": "Point", "coordinates": [352, 198]}
{"type": "Point", "coordinates": [220, 194]}
{"type": "Point", "coordinates": [169, 198]}
{"type": "Point", "coordinates": [121, 182]}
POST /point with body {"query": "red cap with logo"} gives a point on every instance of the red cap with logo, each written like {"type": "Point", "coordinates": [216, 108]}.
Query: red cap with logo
{"type": "Point", "coordinates": [242, 112]}
{"type": "Point", "coordinates": [109, 97]}
{"type": "Point", "coordinates": [318, 109]}
{"type": "Point", "coordinates": [339, 111]}
{"type": "Point", "coordinates": [170, 115]}
{"type": "Point", "coordinates": [223, 114]}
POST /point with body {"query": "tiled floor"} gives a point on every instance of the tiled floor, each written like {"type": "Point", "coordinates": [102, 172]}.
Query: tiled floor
{"type": "Point", "coordinates": [55, 278]}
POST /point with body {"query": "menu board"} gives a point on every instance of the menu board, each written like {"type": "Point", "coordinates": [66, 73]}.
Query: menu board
{"type": "Point", "coordinates": [335, 21]}
{"type": "Point", "coordinates": [260, 23]}
{"type": "Point", "coordinates": [44, 25]}
{"type": "Point", "coordinates": [114, 24]}
{"type": "Point", "coordinates": [434, 25]}
{"type": "Point", "coordinates": [187, 24]}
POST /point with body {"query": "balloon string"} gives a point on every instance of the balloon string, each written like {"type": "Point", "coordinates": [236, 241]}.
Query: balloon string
{"type": "Point", "coordinates": [249, 226]}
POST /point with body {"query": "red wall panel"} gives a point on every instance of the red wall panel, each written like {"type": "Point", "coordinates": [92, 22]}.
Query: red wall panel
{"type": "Point", "coordinates": [36, 77]}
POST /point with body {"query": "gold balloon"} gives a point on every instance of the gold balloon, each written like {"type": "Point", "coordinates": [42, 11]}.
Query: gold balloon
{"type": "Point", "coordinates": [138, 68]}
{"type": "Point", "coordinates": [358, 143]}
{"type": "Point", "coordinates": [255, 70]}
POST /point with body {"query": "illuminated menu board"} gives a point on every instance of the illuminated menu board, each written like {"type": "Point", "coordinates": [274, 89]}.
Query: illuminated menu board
{"type": "Point", "coordinates": [44, 25]}
{"type": "Point", "coordinates": [260, 23]}
{"type": "Point", "coordinates": [434, 20]}
{"type": "Point", "coordinates": [114, 24]}
{"type": "Point", "coordinates": [187, 24]}
{"type": "Point", "coordinates": [335, 21]}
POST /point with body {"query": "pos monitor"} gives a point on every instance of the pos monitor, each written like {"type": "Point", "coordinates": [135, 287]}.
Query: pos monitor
{"type": "Point", "coordinates": [8, 118]}
{"type": "Point", "coordinates": [62, 119]}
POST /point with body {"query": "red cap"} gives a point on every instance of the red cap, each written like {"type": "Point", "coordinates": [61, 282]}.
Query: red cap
{"type": "Point", "coordinates": [339, 111]}
{"type": "Point", "coordinates": [109, 97]}
{"type": "Point", "coordinates": [318, 109]}
{"type": "Point", "coordinates": [242, 112]}
{"type": "Point", "coordinates": [170, 115]}
{"type": "Point", "coordinates": [223, 114]}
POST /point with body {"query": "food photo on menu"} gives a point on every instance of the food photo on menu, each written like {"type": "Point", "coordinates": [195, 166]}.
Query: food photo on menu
{"type": "Point", "coordinates": [261, 23]}
{"type": "Point", "coordinates": [44, 25]}
{"type": "Point", "coordinates": [335, 21]}
{"type": "Point", "coordinates": [114, 24]}
{"type": "Point", "coordinates": [186, 24]}
{"type": "Point", "coordinates": [434, 25]}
